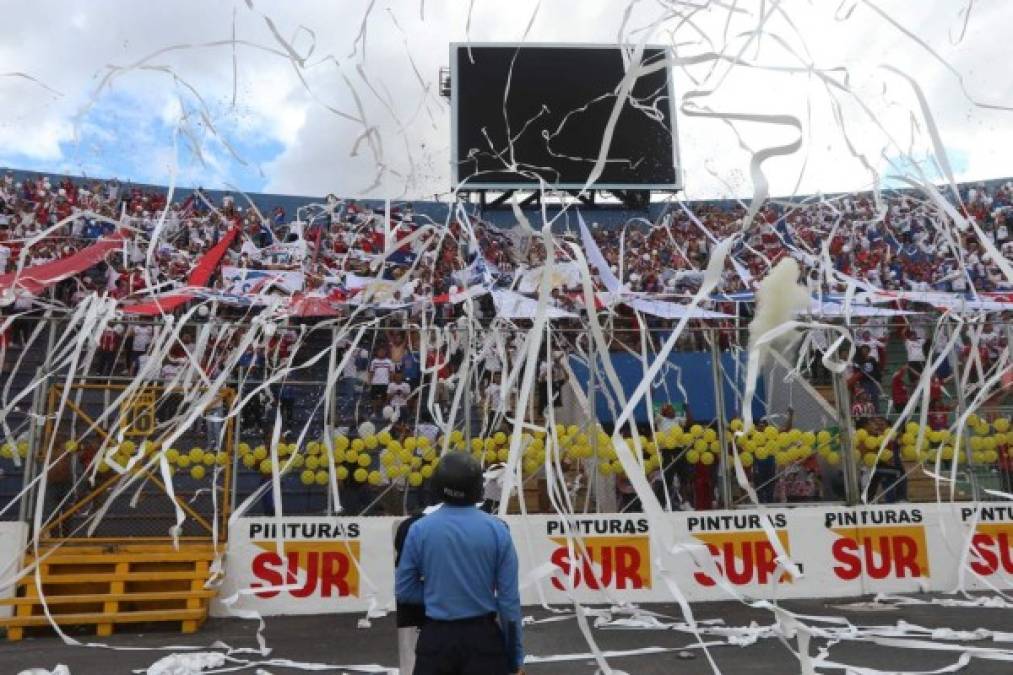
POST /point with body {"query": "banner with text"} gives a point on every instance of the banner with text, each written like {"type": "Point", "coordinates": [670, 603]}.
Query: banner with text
{"type": "Point", "coordinates": [347, 564]}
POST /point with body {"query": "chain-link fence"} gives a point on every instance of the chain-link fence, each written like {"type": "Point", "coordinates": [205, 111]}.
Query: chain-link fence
{"type": "Point", "coordinates": [145, 425]}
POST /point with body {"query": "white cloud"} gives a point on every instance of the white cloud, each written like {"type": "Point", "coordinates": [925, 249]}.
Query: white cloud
{"type": "Point", "coordinates": [409, 127]}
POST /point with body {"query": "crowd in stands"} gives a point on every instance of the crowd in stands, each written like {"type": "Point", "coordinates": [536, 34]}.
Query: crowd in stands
{"type": "Point", "coordinates": [335, 244]}
{"type": "Point", "coordinates": [904, 242]}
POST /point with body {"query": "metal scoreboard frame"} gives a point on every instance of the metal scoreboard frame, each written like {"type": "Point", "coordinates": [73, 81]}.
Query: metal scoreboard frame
{"type": "Point", "coordinates": [471, 184]}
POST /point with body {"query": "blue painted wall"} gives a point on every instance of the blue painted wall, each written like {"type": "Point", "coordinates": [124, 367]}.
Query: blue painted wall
{"type": "Point", "coordinates": [686, 377]}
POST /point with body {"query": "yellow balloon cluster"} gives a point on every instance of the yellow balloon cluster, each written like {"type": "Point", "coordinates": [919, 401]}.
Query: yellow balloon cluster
{"type": "Point", "coordinates": [495, 448]}
{"type": "Point", "coordinates": [785, 447]}
{"type": "Point", "coordinates": [197, 461]}
{"type": "Point", "coordinates": [412, 459]}
{"type": "Point", "coordinates": [118, 454]}
{"type": "Point", "coordinates": [918, 444]}
{"type": "Point", "coordinates": [12, 449]}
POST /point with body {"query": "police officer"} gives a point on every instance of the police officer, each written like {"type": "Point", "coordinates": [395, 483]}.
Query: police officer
{"type": "Point", "coordinates": [460, 563]}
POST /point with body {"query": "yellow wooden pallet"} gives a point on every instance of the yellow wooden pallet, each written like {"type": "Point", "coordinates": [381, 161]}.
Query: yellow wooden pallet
{"type": "Point", "coordinates": [113, 584]}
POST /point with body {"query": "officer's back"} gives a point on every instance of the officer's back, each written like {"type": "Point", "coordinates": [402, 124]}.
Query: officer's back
{"type": "Point", "coordinates": [460, 563]}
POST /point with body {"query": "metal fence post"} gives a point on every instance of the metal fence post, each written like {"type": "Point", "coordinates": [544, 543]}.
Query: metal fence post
{"type": "Point", "coordinates": [28, 468]}
{"type": "Point", "coordinates": [592, 403]}
{"type": "Point", "coordinates": [847, 450]}
{"type": "Point", "coordinates": [720, 417]}
{"type": "Point", "coordinates": [331, 406]}
{"type": "Point", "coordinates": [237, 438]}
{"type": "Point", "coordinates": [36, 417]}
{"type": "Point", "coordinates": [965, 437]}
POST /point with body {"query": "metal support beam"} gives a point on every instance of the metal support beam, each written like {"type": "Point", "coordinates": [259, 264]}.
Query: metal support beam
{"type": "Point", "coordinates": [719, 402]}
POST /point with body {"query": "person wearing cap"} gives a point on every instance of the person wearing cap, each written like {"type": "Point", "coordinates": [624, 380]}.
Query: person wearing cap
{"type": "Point", "coordinates": [461, 565]}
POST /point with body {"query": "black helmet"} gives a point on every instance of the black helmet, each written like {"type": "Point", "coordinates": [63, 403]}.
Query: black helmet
{"type": "Point", "coordinates": [458, 479]}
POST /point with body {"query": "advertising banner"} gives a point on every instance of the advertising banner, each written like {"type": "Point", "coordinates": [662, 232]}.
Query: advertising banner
{"type": "Point", "coordinates": [329, 565]}
{"type": "Point", "coordinates": [13, 536]}
{"type": "Point", "coordinates": [309, 565]}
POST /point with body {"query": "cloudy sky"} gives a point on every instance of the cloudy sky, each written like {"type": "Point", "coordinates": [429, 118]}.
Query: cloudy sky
{"type": "Point", "coordinates": [310, 97]}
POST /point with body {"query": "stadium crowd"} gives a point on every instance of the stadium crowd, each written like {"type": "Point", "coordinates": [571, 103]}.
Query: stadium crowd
{"type": "Point", "coordinates": [335, 245]}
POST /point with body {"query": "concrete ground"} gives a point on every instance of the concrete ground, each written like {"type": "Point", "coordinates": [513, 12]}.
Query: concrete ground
{"type": "Point", "coordinates": [336, 639]}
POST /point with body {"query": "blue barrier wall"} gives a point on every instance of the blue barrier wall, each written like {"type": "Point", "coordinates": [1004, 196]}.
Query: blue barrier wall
{"type": "Point", "coordinates": [686, 377]}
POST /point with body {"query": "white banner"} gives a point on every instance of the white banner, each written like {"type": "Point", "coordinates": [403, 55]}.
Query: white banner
{"type": "Point", "coordinates": [309, 565]}
{"type": "Point", "coordinates": [841, 552]}
{"type": "Point", "coordinates": [245, 281]}
{"type": "Point", "coordinates": [13, 537]}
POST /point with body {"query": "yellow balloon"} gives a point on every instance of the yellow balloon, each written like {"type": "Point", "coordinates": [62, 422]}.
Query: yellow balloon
{"type": "Point", "coordinates": [260, 452]}
{"type": "Point", "coordinates": [307, 477]}
{"type": "Point", "coordinates": [321, 477]}
{"type": "Point", "coordinates": [249, 461]}
{"type": "Point", "coordinates": [197, 472]}
{"type": "Point", "coordinates": [415, 479]}
{"type": "Point", "coordinates": [374, 478]}
{"type": "Point", "coordinates": [364, 460]}
{"type": "Point", "coordinates": [183, 461]}
{"type": "Point", "coordinates": [341, 472]}
{"type": "Point", "coordinates": [707, 458]}
{"type": "Point", "coordinates": [221, 458]}
{"type": "Point", "coordinates": [209, 458]}
{"type": "Point", "coordinates": [360, 475]}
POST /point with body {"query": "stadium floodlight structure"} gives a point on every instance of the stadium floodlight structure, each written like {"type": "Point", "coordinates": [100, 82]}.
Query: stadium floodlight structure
{"type": "Point", "coordinates": [533, 117]}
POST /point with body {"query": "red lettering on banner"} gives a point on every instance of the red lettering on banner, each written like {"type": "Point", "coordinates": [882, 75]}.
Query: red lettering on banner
{"type": "Point", "coordinates": [330, 569]}
{"type": "Point", "coordinates": [624, 563]}
{"type": "Point", "coordinates": [880, 552]}
{"type": "Point", "coordinates": [263, 568]}
{"type": "Point", "coordinates": [992, 549]}
{"type": "Point", "coordinates": [742, 557]}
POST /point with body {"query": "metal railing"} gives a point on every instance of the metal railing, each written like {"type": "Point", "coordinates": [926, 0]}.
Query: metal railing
{"type": "Point", "coordinates": [319, 417]}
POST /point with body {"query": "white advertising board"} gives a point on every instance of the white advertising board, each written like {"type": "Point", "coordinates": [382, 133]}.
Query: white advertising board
{"type": "Point", "coordinates": [13, 536]}
{"type": "Point", "coordinates": [308, 565]}
{"type": "Point", "coordinates": [332, 565]}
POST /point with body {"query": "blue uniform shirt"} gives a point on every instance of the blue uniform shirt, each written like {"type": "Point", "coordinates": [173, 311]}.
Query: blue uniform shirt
{"type": "Point", "coordinates": [460, 563]}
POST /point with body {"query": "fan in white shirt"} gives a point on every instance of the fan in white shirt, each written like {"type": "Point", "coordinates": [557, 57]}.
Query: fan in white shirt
{"type": "Point", "coordinates": [398, 391]}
